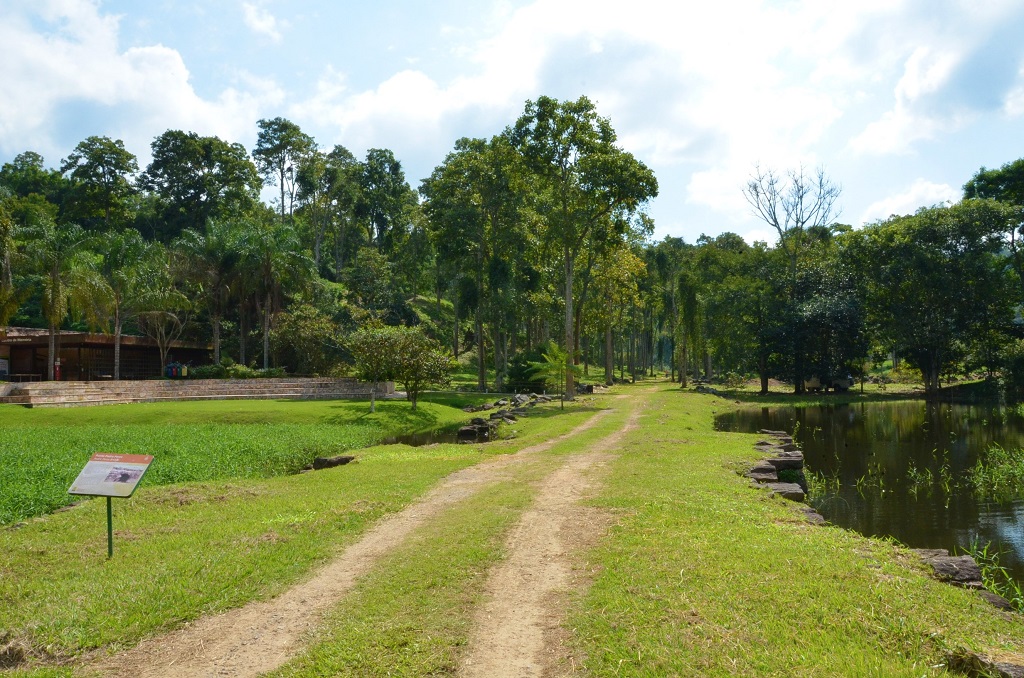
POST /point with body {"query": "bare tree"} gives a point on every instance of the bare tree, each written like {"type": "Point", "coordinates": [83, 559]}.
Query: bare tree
{"type": "Point", "coordinates": [791, 204]}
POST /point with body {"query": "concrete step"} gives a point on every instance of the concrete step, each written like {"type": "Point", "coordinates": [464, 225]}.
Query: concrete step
{"type": "Point", "coordinates": [72, 394]}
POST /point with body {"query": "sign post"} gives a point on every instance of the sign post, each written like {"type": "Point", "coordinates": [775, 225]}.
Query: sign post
{"type": "Point", "coordinates": [111, 475]}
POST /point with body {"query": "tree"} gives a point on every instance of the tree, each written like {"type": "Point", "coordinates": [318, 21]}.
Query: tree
{"type": "Point", "coordinates": [212, 259]}
{"type": "Point", "coordinates": [272, 260]}
{"type": "Point", "coordinates": [792, 205]}
{"type": "Point", "coordinates": [936, 281]}
{"type": "Point", "coordinates": [60, 256]}
{"type": "Point", "coordinates": [25, 175]}
{"type": "Point", "coordinates": [374, 348]}
{"type": "Point", "coordinates": [384, 199]}
{"type": "Point", "coordinates": [280, 146]}
{"type": "Point", "coordinates": [165, 311]}
{"type": "Point", "coordinates": [198, 178]}
{"type": "Point", "coordinates": [474, 204]}
{"type": "Point", "coordinates": [1005, 184]}
{"type": "Point", "coordinates": [586, 181]}
{"type": "Point", "coordinates": [101, 169]}
{"type": "Point", "coordinates": [309, 337]}
{"type": "Point", "coordinates": [9, 297]}
{"type": "Point", "coordinates": [121, 291]}
{"type": "Point", "coordinates": [421, 362]}
{"type": "Point", "coordinates": [555, 369]}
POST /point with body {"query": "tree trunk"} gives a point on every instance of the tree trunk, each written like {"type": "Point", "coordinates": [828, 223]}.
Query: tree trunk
{"type": "Point", "coordinates": [762, 370]}
{"type": "Point", "coordinates": [242, 331]}
{"type": "Point", "coordinates": [216, 339]}
{"type": "Point", "coordinates": [609, 357]}
{"type": "Point", "coordinates": [481, 352]}
{"type": "Point", "coordinates": [684, 359]}
{"type": "Point", "coordinates": [570, 385]}
{"type": "Point", "coordinates": [51, 352]}
{"type": "Point", "coordinates": [266, 333]}
{"type": "Point", "coordinates": [117, 346]}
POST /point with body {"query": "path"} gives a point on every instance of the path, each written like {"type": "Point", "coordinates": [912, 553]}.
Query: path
{"type": "Point", "coordinates": [517, 630]}
{"type": "Point", "coordinates": [262, 636]}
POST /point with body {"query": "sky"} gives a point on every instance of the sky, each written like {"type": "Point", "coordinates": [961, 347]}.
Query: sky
{"type": "Point", "coordinates": [898, 101]}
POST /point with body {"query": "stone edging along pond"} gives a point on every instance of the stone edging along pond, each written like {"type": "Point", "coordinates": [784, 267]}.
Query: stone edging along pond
{"type": "Point", "coordinates": [781, 472]}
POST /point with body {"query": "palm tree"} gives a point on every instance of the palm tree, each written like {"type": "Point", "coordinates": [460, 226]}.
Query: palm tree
{"type": "Point", "coordinates": [211, 260]}
{"type": "Point", "coordinates": [165, 309]}
{"type": "Point", "coordinates": [9, 298]}
{"type": "Point", "coordinates": [68, 270]}
{"type": "Point", "coordinates": [125, 274]}
{"type": "Point", "coordinates": [272, 260]}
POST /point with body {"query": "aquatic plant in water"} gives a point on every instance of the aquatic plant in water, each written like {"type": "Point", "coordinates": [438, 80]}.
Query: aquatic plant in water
{"type": "Point", "coordinates": [998, 474]}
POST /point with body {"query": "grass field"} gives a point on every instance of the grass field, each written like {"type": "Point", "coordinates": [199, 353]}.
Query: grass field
{"type": "Point", "coordinates": [44, 449]}
{"type": "Point", "coordinates": [700, 575]}
{"type": "Point", "coordinates": [189, 549]}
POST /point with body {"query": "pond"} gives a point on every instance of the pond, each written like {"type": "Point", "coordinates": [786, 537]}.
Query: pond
{"type": "Point", "coordinates": [902, 470]}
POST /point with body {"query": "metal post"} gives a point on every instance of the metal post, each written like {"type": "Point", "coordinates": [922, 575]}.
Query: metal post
{"type": "Point", "coordinates": [110, 529]}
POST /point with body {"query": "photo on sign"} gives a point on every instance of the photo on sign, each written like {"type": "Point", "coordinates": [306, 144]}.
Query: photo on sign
{"type": "Point", "coordinates": [121, 474]}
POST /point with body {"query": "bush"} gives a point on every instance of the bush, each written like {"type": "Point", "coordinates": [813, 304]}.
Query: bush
{"type": "Point", "coordinates": [521, 376]}
{"type": "Point", "coordinates": [230, 370]}
{"type": "Point", "coordinates": [207, 372]}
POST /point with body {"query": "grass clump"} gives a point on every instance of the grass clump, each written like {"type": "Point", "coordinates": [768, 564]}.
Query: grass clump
{"type": "Point", "coordinates": [999, 474]}
{"type": "Point", "coordinates": [994, 576]}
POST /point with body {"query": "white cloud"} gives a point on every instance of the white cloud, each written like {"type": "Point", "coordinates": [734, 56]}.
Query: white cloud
{"type": "Point", "coordinates": [921, 193]}
{"type": "Point", "coordinates": [260, 21]}
{"type": "Point", "coordinates": [75, 61]}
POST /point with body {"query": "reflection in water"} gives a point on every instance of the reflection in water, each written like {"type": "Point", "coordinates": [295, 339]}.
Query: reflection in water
{"type": "Point", "coordinates": [875, 451]}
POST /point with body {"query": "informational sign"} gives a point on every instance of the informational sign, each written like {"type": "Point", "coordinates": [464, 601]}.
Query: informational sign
{"type": "Point", "coordinates": [111, 475]}
{"type": "Point", "coordinates": [5, 367]}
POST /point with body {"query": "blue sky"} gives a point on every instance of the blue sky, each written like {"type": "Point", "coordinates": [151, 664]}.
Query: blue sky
{"type": "Point", "coordinates": [900, 101]}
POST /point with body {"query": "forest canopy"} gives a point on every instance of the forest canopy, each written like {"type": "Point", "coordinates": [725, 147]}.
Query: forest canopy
{"type": "Point", "coordinates": [537, 233]}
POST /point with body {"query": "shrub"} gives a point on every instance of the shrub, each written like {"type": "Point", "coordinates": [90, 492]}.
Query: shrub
{"type": "Point", "coordinates": [521, 377]}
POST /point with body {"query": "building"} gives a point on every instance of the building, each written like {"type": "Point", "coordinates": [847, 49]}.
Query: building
{"type": "Point", "coordinates": [87, 357]}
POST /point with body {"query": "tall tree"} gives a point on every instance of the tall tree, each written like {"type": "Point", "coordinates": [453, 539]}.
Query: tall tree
{"type": "Point", "coordinates": [936, 280]}
{"type": "Point", "coordinates": [102, 171]}
{"type": "Point", "coordinates": [26, 175]}
{"type": "Point", "coordinates": [272, 260]}
{"type": "Point", "coordinates": [586, 181]}
{"type": "Point", "coordinates": [792, 204]}
{"type": "Point", "coordinates": [120, 292]}
{"type": "Point", "coordinates": [384, 199]}
{"type": "Point", "coordinates": [8, 296]}
{"type": "Point", "coordinates": [60, 256]}
{"type": "Point", "coordinates": [474, 203]}
{"type": "Point", "coordinates": [166, 311]}
{"type": "Point", "coordinates": [198, 178]}
{"type": "Point", "coordinates": [280, 146]}
{"type": "Point", "coordinates": [212, 259]}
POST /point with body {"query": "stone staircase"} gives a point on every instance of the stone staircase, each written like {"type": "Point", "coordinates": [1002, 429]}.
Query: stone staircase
{"type": "Point", "coordinates": [81, 393]}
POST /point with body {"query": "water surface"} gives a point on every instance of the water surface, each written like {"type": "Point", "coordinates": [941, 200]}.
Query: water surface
{"type": "Point", "coordinates": [874, 450]}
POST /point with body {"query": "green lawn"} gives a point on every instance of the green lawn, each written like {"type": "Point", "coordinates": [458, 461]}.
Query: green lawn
{"type": "Point", "coordinates": [189, 549]}
{"type": "Point", "coordinates": [44, 449]}
{"type": "Point", "coordinates": [699, 575]}
{"type": "Point", "coordinates": [705, 576]}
